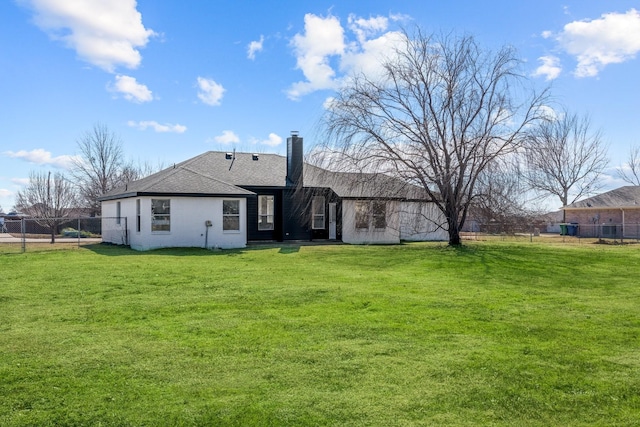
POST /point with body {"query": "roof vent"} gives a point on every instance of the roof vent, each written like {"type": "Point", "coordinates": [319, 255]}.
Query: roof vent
{"type": "Point", "coordinates": [255, 157]}
{"type": "Point", "coordinates": [228, 156]}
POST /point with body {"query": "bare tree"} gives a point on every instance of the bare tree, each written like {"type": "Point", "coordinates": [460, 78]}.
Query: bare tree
{"type": "Point", "coordinates": [630, 171]}
{"type": "Point", "coordinates": [444, 109]}
{"type": "Point", "coordinates": [564, 157]}
{"type": "Point", "coordinates": [98, 168]}
{"type": "Point", "coordinates": [501, 195]}
{"type": "Point", "coordinates": [47, 199]}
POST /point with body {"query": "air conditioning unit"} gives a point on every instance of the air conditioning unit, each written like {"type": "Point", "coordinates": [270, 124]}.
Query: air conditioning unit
{"type": "Point", "coordinates": [609, 231]}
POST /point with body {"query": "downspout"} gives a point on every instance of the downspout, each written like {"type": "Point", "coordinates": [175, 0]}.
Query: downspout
{"type": "Point", "coordinates": [623, 226]}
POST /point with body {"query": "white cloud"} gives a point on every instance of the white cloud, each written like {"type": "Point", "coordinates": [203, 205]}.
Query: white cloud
{"type": "Point", "coordinates": [210, 92]}
{"type": "Point", "coordinates": [227, 137]}
{"type": "Point", "coordinates": [20, 181]}
{"type": "Point", "coordinates": [549, 113]}
{"type": "Point", "coordinates": [160, 128]}
{"type": "Point", "coordinates": [255, 46]}
{"type": "Point", "coordinates": [365, 28]}
{"type": "Point", "coordinates": [273, 140]}
{"type": "Point", "coordinates": [40, 156]}
{"type": "Point", "coordinates": [322, 38]}
{"type": "Point", "coordinates": [369, 56]}
{"type": "Point", "coordinates": [550, 67]}
{"type": "Point", "coordinates": [131, 89]}
{"type": "Point", "coordinates": [611, 39]}
{"type": "Point", "coordinates": [323, 50]}
{"type": "Point", "coordinates": [328, 103]}
{"type": "Point", "coordinates": [5, 193]}
{"type": "Point", "coordinates": [105, 33]}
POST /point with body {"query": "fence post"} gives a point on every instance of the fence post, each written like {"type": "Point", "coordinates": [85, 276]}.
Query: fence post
{"type": "Point", "coordinates": [23, 235]}
{"type": "Point", "coordinates": [78, 228]}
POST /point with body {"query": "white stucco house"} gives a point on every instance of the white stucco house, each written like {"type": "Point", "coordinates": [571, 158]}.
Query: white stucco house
{"type": "Point", "coordinates": [224, 200]}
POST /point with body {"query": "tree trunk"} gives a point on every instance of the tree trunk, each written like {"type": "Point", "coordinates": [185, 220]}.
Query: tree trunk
{"type": "Point", "coordinates": [454, 232]}
{"type": "Point", "coordinates": [53, 235]}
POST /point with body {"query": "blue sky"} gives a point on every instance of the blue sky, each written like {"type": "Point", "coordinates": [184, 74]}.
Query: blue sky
{"type": "Point", "coordinates": [174, 79]}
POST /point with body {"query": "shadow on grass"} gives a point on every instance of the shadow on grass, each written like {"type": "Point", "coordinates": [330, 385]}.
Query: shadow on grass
{"type": "Point", "coordinates": [120, 250]}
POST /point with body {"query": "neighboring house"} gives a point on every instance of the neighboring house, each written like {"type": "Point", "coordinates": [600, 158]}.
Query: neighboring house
{"type": "Point", "coordinates": [224, 200]}
{"type": "Point", "coordinates": [614, 214]}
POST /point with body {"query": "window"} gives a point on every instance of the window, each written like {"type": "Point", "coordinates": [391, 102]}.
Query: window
{"type": "Point", "coordinates": [138, 218]}
{"type": "Point", "coordinates": [265, 212]}
{"type": "Point", "coordinates": [160, 215]}
{"type": "Point", "coordinates": [317, 209]}
{"type": "Point", "coordinates": [362, 215]}
{"type": "Point", "coordinates": [378, 214]}
{"type": "Point", "coordinates": [371, 215]}
{"type": "Point", "coordinates": [231, 215]}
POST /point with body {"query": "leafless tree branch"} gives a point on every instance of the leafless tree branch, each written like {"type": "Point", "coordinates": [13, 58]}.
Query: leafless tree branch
{"type": "Point", "coordinates": [443, 111]}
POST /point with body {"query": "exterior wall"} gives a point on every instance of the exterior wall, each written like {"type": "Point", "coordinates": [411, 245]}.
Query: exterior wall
{"type": "Point", "coordinates": [188, 216]}
{"type": "Point", "coordinates": [591, 220]}
{"type": "Point", "coordinates": [422, 222]}
{"type": "Point", "coordinates": [389, 235]}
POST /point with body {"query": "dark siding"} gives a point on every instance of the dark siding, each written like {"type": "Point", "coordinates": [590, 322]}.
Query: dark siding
{"type": "Point", "coordinates": [292, 214]}
{"type": "Point", "coordinates": [295, 218]}
{"type": "Point", "coordinates": [252, 216]}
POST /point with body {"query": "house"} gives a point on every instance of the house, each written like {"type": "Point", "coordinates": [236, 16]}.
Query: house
{"type": "Point", "coordinates": [224, 200]}
{"type": "Point", "coordinates": [614, 214]}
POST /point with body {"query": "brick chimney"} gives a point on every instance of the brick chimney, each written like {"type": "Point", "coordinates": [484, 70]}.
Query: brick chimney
{"type": "Point", "coordinates": [294, 160]}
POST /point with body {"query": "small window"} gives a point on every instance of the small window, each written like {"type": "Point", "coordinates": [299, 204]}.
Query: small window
{"type": "Point", "coordinates": [371, 214]}
{"type": "Point", "coordinates": [362, 215]}
{"type": "Point", "coordinates": [231, 215]}
{"type": "Point", "coordinates": [160, 215]}
{"type": "Point", "coordinates": [378, 214]}
{"type": "Point", "coordinates": [317, 207]}
{"type": "Point", "coordinates": [265, 212]}
{"type": "Point", "coordinates": [138, 216]}
{"type": "Point", "coordinates": [118, 212]}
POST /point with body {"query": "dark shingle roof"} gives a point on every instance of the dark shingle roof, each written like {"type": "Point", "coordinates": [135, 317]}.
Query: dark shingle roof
{"type": "Point", "coordinates": [213, 173]}
{"type": "Point", "coordinates": [623, 197]}
{"type": "Point", "coordinates": [361, 185]}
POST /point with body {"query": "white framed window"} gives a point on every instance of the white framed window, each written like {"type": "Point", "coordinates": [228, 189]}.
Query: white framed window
{"type": "Point", "coordinates": [318, 213]}
{"type": "Point", "coordinates": [138, 216]}
{"type": "Point", "coordinates": [378, 215]}
{"type": "Point", "coordinates": [371, 214]}
{"type": "Point", "coordinates": [231, 215]}
{"type": "Point", "coordinates": [265, 212]}
{"type": "Point", "coordinates": [118, 212]}
{"type": "Point", "coordinates": [362, 215]}
{"type": "Point", "coordinates": [160, 215]}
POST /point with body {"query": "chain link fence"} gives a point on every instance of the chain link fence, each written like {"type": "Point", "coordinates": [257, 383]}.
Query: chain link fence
{"type": "Point", "coordinates": [31, 234]}
{"type": "Point", "coordinates": [608, 233]}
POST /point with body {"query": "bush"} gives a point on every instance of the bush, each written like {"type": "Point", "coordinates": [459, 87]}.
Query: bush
{"type": "Point", "coordinates": [72, 232]}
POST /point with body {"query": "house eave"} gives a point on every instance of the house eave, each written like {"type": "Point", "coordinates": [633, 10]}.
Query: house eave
{"type": "Point", "coordinates": [173, 194]}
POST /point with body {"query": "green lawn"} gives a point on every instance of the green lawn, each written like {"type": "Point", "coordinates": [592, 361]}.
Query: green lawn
{"type": "Point", "coordinates": [420, 334]}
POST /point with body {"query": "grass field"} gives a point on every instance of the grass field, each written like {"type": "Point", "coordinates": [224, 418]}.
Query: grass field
{"type": "Point", "coordinates": [421, 334]}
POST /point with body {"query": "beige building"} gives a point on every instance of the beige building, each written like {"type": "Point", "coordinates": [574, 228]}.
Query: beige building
{"type": "Point", "coordinates": [614, 214]}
